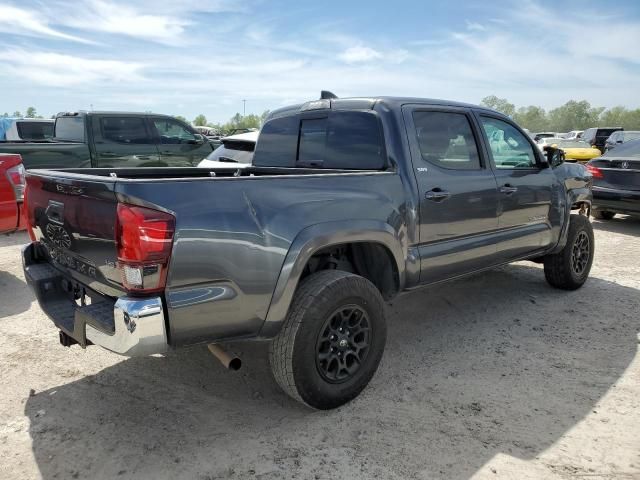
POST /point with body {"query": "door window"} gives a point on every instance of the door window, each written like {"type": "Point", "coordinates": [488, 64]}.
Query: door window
{"type": "Point", "coordinates": [172, 132]}
{"type": "Point", "coordinates": [127, 130]}
{"type": "Point", "coordinates": [509, 148]}
{"type": "Point", "coordinates": [446, 139]}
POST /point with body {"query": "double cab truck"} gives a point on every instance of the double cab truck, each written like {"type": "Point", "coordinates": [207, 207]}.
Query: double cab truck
{"type": "Point", "coordinates": [112, 140]}
{"type": "Point", "coordinates": [347, 204]}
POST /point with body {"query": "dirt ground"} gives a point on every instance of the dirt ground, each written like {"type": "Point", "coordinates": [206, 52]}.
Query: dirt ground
{"type": "Point", "coordinates": [497, 376]}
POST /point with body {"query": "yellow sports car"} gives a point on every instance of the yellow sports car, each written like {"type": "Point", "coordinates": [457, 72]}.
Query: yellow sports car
{"type": "Point", "coordinates": [577, 150]}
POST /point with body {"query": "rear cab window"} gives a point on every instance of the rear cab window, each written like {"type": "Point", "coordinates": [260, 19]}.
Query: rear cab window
{"type": "Point", "coordinates": [34, 130]}
{"type": "Point", "coordinates": [350, 140]}
{"type": "Point", "coordinates": [69, 128]}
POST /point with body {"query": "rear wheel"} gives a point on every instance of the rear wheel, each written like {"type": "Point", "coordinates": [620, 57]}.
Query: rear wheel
{"type": "Point", "coordinates": [332, 340]}
{"type": "Point", "coordinates": [569, 268]}
{"type": "Point", "coordinates": [603, 215]}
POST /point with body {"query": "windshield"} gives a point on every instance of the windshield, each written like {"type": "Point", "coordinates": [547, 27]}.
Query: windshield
{"type": "Point", "coordinates": [573, 144]}
{"type": "Point", "coordinates": [629, 149]}
{"type": "Point", "coordinates": [70, 129]}
{"type": "Point", "coordinates": [631, 135]}
{"type": "Point", "coordinates": [226, 153]}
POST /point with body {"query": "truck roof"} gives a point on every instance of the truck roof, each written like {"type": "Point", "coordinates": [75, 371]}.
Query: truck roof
{"type": "Point", "coordinates": [367, 103]}
{"type": "Point", "coordinates": [109, 112]}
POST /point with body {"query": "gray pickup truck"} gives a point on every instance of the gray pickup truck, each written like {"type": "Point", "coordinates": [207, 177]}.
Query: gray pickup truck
{"type": "Point", "coordinates": [114, 139]}
{"type": "Point", "coordinates": [348, 203]}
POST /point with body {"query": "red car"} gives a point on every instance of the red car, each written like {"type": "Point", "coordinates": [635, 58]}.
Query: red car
{"type": "Point", "coordinates": [11, 193]}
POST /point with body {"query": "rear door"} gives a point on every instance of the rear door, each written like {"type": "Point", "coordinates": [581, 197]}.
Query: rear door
{"type": "Point", "coordinates": [458, 192]}
{"type": "Point", "coordinates": [524, 186]}
{"type": "Point", "coordinates": [177, 142]}
{"type": "Point", "coordinates": [124, 141]}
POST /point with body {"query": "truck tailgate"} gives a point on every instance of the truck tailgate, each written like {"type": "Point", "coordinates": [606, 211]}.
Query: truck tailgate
{"type": "Point", "coordinates": [74, 218]}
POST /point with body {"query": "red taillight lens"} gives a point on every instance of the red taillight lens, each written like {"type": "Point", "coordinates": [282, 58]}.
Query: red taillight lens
{"type": "Point", "coordinates": [16, 177]}
{"type": "Point", "coordinates": [595, 171]}
{"type": "Point", "coordinates": [144, 238]}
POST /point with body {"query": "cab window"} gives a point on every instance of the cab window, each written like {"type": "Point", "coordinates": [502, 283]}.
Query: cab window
{"type": "Point", "coordinates": [509, 148]}
{"type": "Point", "coordinates": [172, 132]}
{"type": "Point", "coordinates": [127, 130]}
{"type": "Point", "coordinates": [446, 140]}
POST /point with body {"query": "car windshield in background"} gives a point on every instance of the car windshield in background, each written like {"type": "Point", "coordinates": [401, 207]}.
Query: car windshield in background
{"type": "Point", "coordinates": [631, 135]}
{"type": "Point", "coordinates": [240, 152]}
{"type": "Point", "coordinates": [35, 130]}
{"type": "Point", "coordinates": [573, 144]}
{"type": "Point", "coordinates": [629, 149]}
{"type": "Point", "coordinates": [69, 129]}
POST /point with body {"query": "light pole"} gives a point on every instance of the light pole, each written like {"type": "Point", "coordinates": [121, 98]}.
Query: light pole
{"type": "Point", "coordinates": [244, 108]}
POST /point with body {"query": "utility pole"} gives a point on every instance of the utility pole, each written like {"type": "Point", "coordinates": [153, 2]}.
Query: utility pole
{"type": "Point", "coordinates": [244, 108]}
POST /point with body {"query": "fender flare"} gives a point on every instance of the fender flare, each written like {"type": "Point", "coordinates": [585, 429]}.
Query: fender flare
{"type": "Point", "coordinates": [578, 195]}
{"type": "Point", "coordinates": [319, 236]}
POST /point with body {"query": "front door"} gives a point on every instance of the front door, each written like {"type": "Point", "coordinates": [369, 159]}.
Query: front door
{"type": "Point", "coordinates": [458, 193]}
{"type": "Point", "coordinates": [179, 145]}
{"type": "Point", "coordinates": [123, 141]}
{"type": "Point", "coordinates": [524, 185]}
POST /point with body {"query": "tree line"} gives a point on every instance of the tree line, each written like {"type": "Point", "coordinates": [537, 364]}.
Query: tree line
{"type": "Point", "coordinates": [573, 115]}
{"type": "Point", "coordinates": [30, 113]}
{"type": "Point", "coordinates": [237, 121]}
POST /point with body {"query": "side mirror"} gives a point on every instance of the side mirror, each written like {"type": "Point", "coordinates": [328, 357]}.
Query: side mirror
{"type": "Point", "coordinates": [199, 139]}
{"type": "Point", "coordinates": [554, 156]}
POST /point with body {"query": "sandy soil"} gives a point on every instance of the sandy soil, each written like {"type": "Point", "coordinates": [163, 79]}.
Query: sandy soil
{"type": "Point", "coordinates": [495, 376]}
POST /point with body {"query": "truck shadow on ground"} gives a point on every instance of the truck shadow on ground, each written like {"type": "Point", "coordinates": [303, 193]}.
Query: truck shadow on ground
{"type": "Point", "coordinates": [496, 363]}
{"type": "Point", "coordinates": [622, 224]}
{"type": "Point", "coordinates": [15, 297]}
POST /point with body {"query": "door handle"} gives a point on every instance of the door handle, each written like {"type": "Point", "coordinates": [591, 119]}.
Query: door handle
{"type": "Point", "coordinates": [508, 189]}
{"type": "Point", "coordinates": [437, 195]}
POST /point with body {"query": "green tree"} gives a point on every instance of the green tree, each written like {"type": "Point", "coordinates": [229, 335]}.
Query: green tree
{"type": "Point", "coordinates": [200, 121]}
{"type": "Point", "coordinates": [499, 104]}
{"type": "Point", "coordinates": [180, 117]}
{"type": "Point", "coordinates": [264, 116]}
{"type": "Point", "coordinates": [531, 117]}
{"type": "Point", "coordinates": [17, 114]}
{"type": "Point", "coordinates": [5, 114]}
{"type": "Point", "coordinates": [31, 112]}
{"type": "Point", "coordinates": [574, 115]}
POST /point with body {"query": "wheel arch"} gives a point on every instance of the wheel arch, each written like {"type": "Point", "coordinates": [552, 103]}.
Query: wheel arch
{"type": "Point", "coordinates": [319, 237]}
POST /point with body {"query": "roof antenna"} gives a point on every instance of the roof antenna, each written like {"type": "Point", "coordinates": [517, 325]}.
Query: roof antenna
{"type": "Point", "coordinates": [327, 95]}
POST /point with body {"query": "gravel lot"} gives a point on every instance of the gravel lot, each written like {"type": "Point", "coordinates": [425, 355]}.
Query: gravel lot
{"type": "Point", "coordinates": [494, 376]}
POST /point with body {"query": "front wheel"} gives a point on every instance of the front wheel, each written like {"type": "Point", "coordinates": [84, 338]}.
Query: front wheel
{"type": "Point", "coordinates": [332, 340]}
{"type": "Point", "coordinates": [569, 268]}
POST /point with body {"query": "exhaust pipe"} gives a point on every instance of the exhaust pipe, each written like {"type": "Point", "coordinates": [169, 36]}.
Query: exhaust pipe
{"type": "Point", "coordinates": [230, 362]}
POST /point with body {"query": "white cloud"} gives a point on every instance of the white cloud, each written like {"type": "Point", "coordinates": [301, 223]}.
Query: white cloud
{"type": "Point", "coordinates": [359, 54]}
{"type": "Point", "coordinates": [24, 22]}
{"type": "Point", "coordinates": [57, 70]}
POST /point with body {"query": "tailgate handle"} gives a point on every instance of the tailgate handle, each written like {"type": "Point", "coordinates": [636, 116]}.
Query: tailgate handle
{"type": "Point", "coordinates": [55, 212]}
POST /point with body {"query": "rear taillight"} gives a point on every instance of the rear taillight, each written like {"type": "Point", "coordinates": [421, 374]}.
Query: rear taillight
{"type": "Point", "coordinates": [16, 176]}
{"type": "Point", "coordinates": [595, 171]}
{"type": "Point", "coordinates": [144, 238]}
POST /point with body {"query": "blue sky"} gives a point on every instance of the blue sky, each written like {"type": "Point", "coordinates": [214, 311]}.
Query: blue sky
{"type": "Point", "coordinates": [196, 56]}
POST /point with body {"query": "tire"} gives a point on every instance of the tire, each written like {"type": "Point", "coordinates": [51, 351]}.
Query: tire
{"type": "Point", "coordinates": [603, 215]}
{"type": "Point", "coordinates": [569, 268]}
{"type": "Point", "coordinates": [322, 301]}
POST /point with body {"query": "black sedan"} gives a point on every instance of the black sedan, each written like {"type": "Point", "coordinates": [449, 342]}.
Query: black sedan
{"type": "Point", "coordinates": [616, 181]}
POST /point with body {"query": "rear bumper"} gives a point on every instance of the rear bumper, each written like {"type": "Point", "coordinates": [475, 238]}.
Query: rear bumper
{"type": "Point", "coordinates": [128, 326]}
{"type": "Point", "coordinates": [616, 200]}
